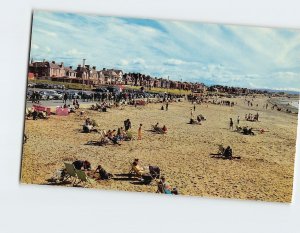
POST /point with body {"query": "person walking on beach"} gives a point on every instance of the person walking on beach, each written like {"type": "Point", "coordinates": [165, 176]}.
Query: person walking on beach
{"type": "Point", "coordinates": [194, 107]}
{"type": "Point", "coordinates": [140, 132]}
{"type": "Point", "coordinates": [192, 114]}
{"type": "Point", "coordinates": [238, 120]}
{"type": "Point", "coordinates": [167, 106]}
{"type": "Point", "coordinates": [231, 124]}
{"type": "Point", "coordinates": [65, 98]}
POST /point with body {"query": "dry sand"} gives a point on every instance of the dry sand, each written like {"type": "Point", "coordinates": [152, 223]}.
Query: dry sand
{"type": "Point", "coordinates": [265, 171]}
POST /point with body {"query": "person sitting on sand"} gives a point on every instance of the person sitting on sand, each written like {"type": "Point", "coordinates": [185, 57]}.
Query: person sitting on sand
{"type": "Point", "coordinates": [103, 175]}
{"type": "Point", "coordinates": [109, 134]}
{"type": "Point", "coordinates": [122, 133]}
{"type": "Point", "coordinates": [164, 187]}
{"type": "Point", "coordinates": [164, 129]}
{"type": "Point", "coordinates": [34, 115]}
{"type": "Point", "coordinates": [88, 121]}
{"type": "Point", "coordinates": [199, 119]}
{"type": "Point", "coordinates": [82, 165]}
{"type": "Point", "coordinates": [137, 168]}
{"type": "Point", "coordinates": [250, 132]}
{"type": "Point", "coordinates": [113, 137]}
{"type": "Point", "coordinates": [227, 153]}
{"type": "Point", "coordinates": [88, 126]}
{"type": "Point", "coordinates": [119, 134]}
{"type": "Point", "coordinates": [127, 124]}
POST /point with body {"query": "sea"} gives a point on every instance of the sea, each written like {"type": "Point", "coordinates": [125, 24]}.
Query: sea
{"type": "Point", "coordinates": [292, 102]}
{"type": "Point", "coordinates": [295, 104]}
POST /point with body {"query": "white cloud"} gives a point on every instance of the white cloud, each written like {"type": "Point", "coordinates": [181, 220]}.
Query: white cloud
{"type": "Point", "coordinates": [138, 61]}
{"type": "Point", "coordinates": [124, 62]}
{"type": "Point", "coordinates": [174, 62]}
{"type": "Point", "coordinates": [72, 52]}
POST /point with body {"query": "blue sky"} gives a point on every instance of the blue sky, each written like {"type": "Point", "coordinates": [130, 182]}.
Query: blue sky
{"type": "Point", "coordinates": [252, 57]}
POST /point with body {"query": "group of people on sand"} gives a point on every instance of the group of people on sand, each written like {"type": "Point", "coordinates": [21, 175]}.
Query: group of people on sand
{"type": "Point", "coordinates": [115, 136]}
{"type": "Point", "coordinates": [119, 135]}
{"type": "Point", "coordinates": [35, 114]}
{"type": "Point", "coordinates": [102, 107]}
{"type": "Point", "coordinates": [149, 173]}
{"type": "Point", "coordinates": [159, 129]}
{"type": "Point", "coordinates": [245, 130]}
{"type": "Point", "coordinates": [85, 165]}
{"type": "Point", "coordinates": [248, 117]}
{"type": "Point", "coordinates": [145, 174]}
{"type": "Point", "coordinates": [251, 117]}
{"type": "Point", "coordinates": [199, 117]}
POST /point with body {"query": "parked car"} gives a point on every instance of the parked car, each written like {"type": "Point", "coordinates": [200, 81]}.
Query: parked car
{"type": "Point", "coordinates": [55, 95]}
{"type": "Point", "coordinates": [30, 85]}
{"type": "Point", "coordinates": [86, 94]}
{"type": "Point", "coordinates": [45, 95]}
{"type": "Point", "coordinates": [100, 89]}
{"type": "Point", "coordinates": [73, 94]}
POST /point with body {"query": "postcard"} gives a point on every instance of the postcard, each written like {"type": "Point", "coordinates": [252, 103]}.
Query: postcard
{"type": "Point", "coordinates": [160, 106]}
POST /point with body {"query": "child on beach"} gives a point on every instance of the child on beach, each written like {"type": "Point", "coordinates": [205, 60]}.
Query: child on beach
{"type": "Point", "coordinates": [140, 132]}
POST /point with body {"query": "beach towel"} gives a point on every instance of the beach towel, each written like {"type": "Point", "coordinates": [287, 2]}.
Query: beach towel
{"type": "Point", "coordinates": [62, 111]}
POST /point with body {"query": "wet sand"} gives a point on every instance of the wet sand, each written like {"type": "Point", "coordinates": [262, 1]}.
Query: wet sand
{"type": "Point", "coordinates": [264, 172]}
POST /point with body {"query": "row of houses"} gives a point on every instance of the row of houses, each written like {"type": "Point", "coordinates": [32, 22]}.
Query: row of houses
{"type": "Point", "coordinates": [89, 75]}
{"type": "Point", "coordinates": [84, 74]}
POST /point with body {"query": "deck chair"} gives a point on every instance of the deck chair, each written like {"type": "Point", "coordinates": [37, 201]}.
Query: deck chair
{"type": "Point", "coordinates": [145, 177]}
{"type": "Point", "coordinates": [82, 177]}
{"type": "Point", "coordinates": [135, 171]}
{"type": "Point", "coordinates": [70, 171]}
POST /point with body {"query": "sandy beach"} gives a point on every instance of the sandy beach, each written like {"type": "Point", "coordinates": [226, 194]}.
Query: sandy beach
{"type": "Point", "coordinates": [264, 172]}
